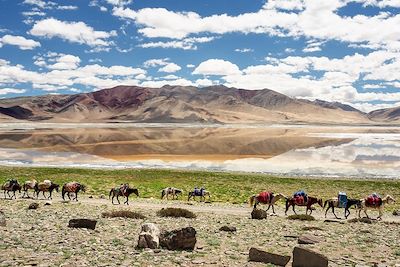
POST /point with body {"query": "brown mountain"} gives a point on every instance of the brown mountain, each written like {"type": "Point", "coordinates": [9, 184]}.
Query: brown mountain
{"type": "Point", "coordinates": [385, 115]}
{"type": "Point", "coordinates": [178, 104]}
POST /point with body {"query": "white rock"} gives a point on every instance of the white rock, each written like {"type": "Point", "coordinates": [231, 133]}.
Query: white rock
{"type": "Point", "coordinates": [149, 236]}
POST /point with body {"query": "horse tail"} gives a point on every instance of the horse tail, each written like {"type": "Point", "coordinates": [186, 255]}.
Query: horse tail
{"type": "Point", "coordinates": [109, 195]}
{"type": "Point", "coordinates": [252, 199]}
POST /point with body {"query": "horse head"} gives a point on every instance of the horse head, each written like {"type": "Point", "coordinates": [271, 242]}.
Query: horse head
{"type": "Point", "coordinates": [55, 186]}
{"type": "Point", "coordinates": [83, 187]}
{"type": "Point", "coordinates": [133, 190]}
{"type": "Point", "coordinates": [389, 199]}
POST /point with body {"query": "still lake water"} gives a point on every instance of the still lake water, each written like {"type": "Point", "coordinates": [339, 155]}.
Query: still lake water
{"type": "Point", "coordinates": [365, 152]}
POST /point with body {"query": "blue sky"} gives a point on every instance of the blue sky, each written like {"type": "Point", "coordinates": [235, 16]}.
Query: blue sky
{"type": "Point", "coordinates": [335, 50]}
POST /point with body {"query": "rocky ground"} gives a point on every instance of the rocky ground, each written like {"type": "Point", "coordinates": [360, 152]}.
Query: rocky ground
{"type": "Point", "coordinates": [41, 237]}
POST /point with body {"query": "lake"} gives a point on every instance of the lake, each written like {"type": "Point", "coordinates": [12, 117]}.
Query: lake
{"type": "Point", "coordinates": [295, 150]}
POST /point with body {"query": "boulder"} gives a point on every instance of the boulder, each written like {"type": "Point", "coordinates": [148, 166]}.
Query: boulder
{"type": "Point", "coordinates": [226, 228]}
{"type": "Point", "coordinates": [181, 239]}
{"type": "Point", "coordinates": [303, 257]}
{"type": "Point", "coordinates": [2, 219]}
{"type": "Point", "coordinates": [48, 203]}
{"type": "Point", "coordinates": [396, 213]}
{"type": "Point", "coordinates": [82, 223]}
{"type": "Point", "coordinates": [149, 236]}
{"type": "Point", "coordinates": [308, 239]}
{"type": "Point", "coordinates": [33, 206]}
{"type": "Point", "coordinates": [267, 257]}
{"type": "Point", "coordinates": [258, 214]}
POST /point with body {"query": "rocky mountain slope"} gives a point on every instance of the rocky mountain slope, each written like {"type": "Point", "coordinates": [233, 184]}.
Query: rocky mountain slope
{"type": "Point", "coordinates": [214, 104]}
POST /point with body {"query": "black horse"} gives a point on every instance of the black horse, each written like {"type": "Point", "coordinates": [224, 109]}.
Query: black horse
{"type": "Point", "coordinates": [334, 203]}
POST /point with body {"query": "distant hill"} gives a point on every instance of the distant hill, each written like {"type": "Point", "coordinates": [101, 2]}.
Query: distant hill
{"type": "Point", "coordinates": [214, 104]}
{"type": "Point", "coordinates": [385, 115]}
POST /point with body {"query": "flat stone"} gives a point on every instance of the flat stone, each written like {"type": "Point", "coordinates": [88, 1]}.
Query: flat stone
{"type": "Point", "coordinates": [267, 257]}
{"type": "Point", "coordinates": [333, 221]}
{"type": "Point", "coordinates": [304, 257]}
{"type": "Point", "coordinates": [308, 239]}
{"type": "Point", "coordinates": [226, 228]}
{"type": "Point", "coordinates": [82, 223]}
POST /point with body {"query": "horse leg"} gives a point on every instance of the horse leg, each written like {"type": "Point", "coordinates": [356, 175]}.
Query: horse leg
{"type": "Point", "coordinates": [329, 206]}
{"type": "Point", "coordinates": [380, 214]}
{"type": "Point", "coordinates": [294, 210]}
{"type": "Point", "coordinates": [126, 202]}
{"type": "Point", "coordinates": [365, 211]}
{"type": "Point", "coordinates": [118, 200]}
{"type": "Point", "coordinates": [346, 212]}
{"type": "Point", "coordinates": [269, 206]}
{"type": "Point", "coordinates": [333, 211]}
{"type": "Point", "coordinates": [50, 195]}
{"type": "Point", "coordinates": [76, 196]}
{"type": "Point", "coordinates": [112, 199]}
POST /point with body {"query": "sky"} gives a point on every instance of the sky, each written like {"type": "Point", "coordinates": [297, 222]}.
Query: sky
{"type": "Point", "coordinates": [333, 50]}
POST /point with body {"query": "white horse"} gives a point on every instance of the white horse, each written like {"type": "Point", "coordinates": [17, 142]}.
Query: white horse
{"type": "Point", "coordinates": [254, 201]}
{"type": "Point", "coordinates": [175, 192]}
{"type": "Point", "coordinates": [364, 206]}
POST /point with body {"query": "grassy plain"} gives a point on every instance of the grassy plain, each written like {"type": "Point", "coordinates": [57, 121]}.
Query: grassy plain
{"type": "Point", "coordinates": [224, 187]}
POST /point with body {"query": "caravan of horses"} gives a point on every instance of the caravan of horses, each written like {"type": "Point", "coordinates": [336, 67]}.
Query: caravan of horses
{"type": "Point", "coordinates": [269, 198]}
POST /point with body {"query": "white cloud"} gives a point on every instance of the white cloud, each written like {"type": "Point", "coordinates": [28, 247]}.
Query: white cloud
{"type": "Point", "coordinates": [170, 77]}
{"type": "Point", "coordinates": [216, 67]}
{"type": "Point", "coordinates": [170, 68]}
{"type": "Point", "coordinates": [6, 91]}
{"type": "Point", "coordinates": [178, 82]}
{"type": "Point", "coordinates": [49, 5]}
{"type": "Point", "coordinates": [75, 32]}
{"type": "Point", "coordinates": [185, 44]}
{"type": "Point", "coordinates": [280, 18]}
{"type": "Point", "coordinates": [66, 62]}
{"type": "Point", "coordinates": [190, 66]}
{"type": "Point", "coordinates": [204, 82]}
{"type": "Point", "coordinates": [155, 62]}
{"type": "Point", "coordinates": [313, 46]}
{"type": "Point", "coordinates": [20, 41]}
{"type": "Point", "coordinates": [244, 50]}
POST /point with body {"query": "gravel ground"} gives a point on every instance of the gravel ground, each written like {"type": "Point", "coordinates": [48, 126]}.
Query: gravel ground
{"type": "Point", "coordinates": [41, 237]}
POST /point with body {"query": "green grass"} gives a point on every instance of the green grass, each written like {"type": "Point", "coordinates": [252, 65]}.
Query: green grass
{"type": "Point", "coordinates": [224, 187]}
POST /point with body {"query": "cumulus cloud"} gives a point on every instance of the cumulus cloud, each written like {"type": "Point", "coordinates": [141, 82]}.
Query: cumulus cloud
{"type": "Point", "coordinates": [217, 67]}
{"type": "Point", "coordinates": [75, 32]}
{"type": "Point", "coordinates": [20, 41]}
{"type": "Point", "coordinates": [170, 68]}
{"type": "Point", "coordinates": [155, 62]}
{"type": "Point", "coordinates": [6, 91]}
{"type": "Point", "coordinates": [66, 62]}
{"type": "Point", "coordinates": [280, 18]}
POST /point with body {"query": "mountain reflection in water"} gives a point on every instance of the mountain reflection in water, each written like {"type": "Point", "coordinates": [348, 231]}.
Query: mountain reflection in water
{"type": "Point", "coordinates": [363, 152]}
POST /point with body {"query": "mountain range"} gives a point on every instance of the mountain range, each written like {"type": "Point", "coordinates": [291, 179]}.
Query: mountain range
{"type": "Point", "coordinates": [213, 104]}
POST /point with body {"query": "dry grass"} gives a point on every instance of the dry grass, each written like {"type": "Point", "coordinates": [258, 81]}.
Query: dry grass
{"type": "Point", "coordinates": [123, 214]}
{"type": "Point", "coordinates": [176, 212]}
{"type": "Point", "coordinates": [301, 217]}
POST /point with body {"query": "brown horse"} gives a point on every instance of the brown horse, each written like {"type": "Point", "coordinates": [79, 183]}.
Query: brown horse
{"type": "Point", "coordinates": [72, 187]}
{"type": "Point", "coordinates": [13, 186]}
{"type": "Point", "coordinates": [46, 187]}
{"type": "Point", "coordinates": [118, 191]}
{"type": "Point", "coordinates": [28, 185]}
{"type": "Point", "coordinates": [310, 201]}
{"type": "Point", "coordinates": [257, 199]}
